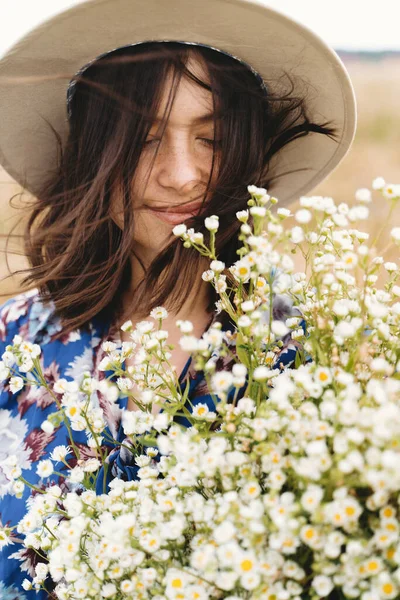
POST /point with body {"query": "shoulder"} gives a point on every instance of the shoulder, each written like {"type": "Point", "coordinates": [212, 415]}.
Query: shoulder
{"type": "Point", "coordinates": [29, 316]}
{"type": "Point", "coordinates": [14, 314]}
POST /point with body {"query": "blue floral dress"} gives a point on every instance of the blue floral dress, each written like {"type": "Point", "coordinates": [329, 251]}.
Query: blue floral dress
{"type": "Point", "coordinates": [22, 413]}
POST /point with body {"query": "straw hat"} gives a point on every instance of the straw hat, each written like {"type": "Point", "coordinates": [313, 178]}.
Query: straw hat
{"type": "Point", "coordinates": [248, 30]}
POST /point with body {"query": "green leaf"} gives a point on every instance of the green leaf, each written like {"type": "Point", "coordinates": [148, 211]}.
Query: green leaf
{"type": "Point", "coordinates": [240, 350]}
{"type": "Point", "coordinates": [299, 358]}
{"type": "Point", "coordinates": [186, 392]}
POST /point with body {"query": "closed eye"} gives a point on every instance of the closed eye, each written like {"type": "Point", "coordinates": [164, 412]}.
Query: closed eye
{"type": "Point", "coordinates": [205, 140]}
{"type": "Point", "coordinates": [211, 142]}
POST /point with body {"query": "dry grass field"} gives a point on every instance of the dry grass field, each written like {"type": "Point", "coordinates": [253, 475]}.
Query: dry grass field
{"type": "Point", "coordinates": [375, 152]}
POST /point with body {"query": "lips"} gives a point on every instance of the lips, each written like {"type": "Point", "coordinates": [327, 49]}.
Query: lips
{"type": "Point", "coordinates": [173, 218]}
{"type": "Point", "coordinates": [183, 210]}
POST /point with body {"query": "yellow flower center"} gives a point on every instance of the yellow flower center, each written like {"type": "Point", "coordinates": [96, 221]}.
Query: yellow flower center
{"type": "Point", "coordinates": [387, 588]}
{"type": "Point", "coordinates": [309, 534]}
{"type": "Point", "coordinates": [247, 565]}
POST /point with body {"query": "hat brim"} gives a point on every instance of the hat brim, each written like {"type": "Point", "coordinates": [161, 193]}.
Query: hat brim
{"type": "Point", "coordinates": [36, 71]}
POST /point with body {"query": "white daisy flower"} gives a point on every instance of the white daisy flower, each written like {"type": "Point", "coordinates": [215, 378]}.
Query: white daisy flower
{"type": "Point", "coordinates": [8, 359]}
{"type": "Point", "coordinates": [395, 234]}
{"type": "Point", "coordinates": [378, 183]}
{"type": "Point", "coordinates": [91, 465]}
{"type": "Point", "coordinates": [323, 585]}
{"type": "Point", "coordinates": [297, 235]}
{"type": "Point", "coordinates": [179, 230]}
{"type": "Point", "coordinates": [258, 211]}
{"type": "Point", "coordinates": [127, 586]}
{"type": "Point", "coordinates": [284, 212]}
{"type": "Point", "coordinates": [189, 343]}
{"type": "Point", "coordinates": [391, 191]}
{"type": "Point", "coordinates": [245, 229]}
{"type": "Point", "coordinates": [303, 216]}
{"type": "Point", "coordinates": [124, 384]}
{"type": "Point", "coordinates": [208, 275]}
{"type": "Point", "coordinates": [127, 326]}
{"type": "Point", "coordinates": [217, 266]}
{"type": "Point", "coordinates": [363, 195]}
{"type": "Point", "coordinates": [390, 266]}
{"type": "Point", "coordinates": [47, 426]}
{"type": "Point", "coordinates": [256, 191]}
{"type": "Point", "coordinates": [201, 410]}
{"type": "Point", "coordinates": [108, 347]}
{"type": "Point", "coordinates": [261, 373]}
{"type": "Point", "coordinates": [312, 497]}
{"type": "Point", "coordinates": [27, 585]}
{"type": "Point", "coordinates": [246, 406]}
{"type": "Point", "coordinates": [16, 384]}
{"type": "Point", "coordinates": [108, 590]}
{"type": "Point", "coordinates": [26, 364]}
{"type": "Point", "coordinates": [242, 216]}
{"type": "Point", "coordinates": [221, 381]}
{"type": "Point", "coordinates": [159, 313]}
{"type": "Point", "coordinates": [323, 376]}
{"type": "Point", "coordinates": [212, 223]}
{"type": "Point", "coordinates": [45, 468]}
{"type": "Point", "coordinates": [4, 371]}
{"type": "Point", "coordinates": [145, 327]}
{"type": "Point", "coordinates": [241, 270]}
{"type": "Point", "coordinates": [184, 326]}
{"type": "Point", "coordinates": [247, 306]}
{"type": "Point", "coordinates": [59, 453]}
{"type": "Point", "coordinates": [279, 328]}
{"type": "Point", "coordinates": [244, 321]}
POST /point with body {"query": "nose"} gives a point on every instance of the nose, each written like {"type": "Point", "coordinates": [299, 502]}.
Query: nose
{"type": "Point", "coordinates": [179, 167]}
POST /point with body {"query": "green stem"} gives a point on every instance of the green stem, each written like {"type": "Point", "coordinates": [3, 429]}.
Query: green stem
{"type": "Point", "coordinates": [33, 487]}
{"type": "Point", "coordinates": [387, 220]}
{"type": "Point", "coordinates": [49, 530]}
{"type": "Point", "coordinates": [36, 362]}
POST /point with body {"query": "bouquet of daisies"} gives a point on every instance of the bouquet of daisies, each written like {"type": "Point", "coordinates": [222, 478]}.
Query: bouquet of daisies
{"type": "Point", "coordinates": [290, 488]}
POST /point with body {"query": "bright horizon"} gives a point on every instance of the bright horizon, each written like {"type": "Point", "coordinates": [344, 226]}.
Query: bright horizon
{"type": "Point", "coordinates": [344, 24]}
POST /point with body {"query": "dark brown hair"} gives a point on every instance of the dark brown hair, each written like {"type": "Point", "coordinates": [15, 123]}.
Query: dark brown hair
{"type": "Point", "coordinates": [79, 258]}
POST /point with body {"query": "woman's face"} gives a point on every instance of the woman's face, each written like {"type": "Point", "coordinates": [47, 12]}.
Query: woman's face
{"type": "Point", "coordinates": [181, 168]}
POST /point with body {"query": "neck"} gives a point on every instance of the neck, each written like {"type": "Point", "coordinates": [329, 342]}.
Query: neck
{"type": "Point", "coordinates": [194, 307]}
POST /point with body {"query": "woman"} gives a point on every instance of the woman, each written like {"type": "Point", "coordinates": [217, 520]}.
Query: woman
{"type": "Point", "coordinates": [158, 133]}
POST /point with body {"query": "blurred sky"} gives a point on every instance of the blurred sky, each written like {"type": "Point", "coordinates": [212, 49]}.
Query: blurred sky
{"type": "Point", "coordinates": [345, 24]}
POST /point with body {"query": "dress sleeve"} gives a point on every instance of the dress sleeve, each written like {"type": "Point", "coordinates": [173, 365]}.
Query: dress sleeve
{"type": "Point", "coordinates": [292, 350]}
{"type": "Point", "coordinates": [6, 321]}
{"type": "Point", "coordinates": [8, 328]}
{"type": "Point", "coordinates": [14, 316]}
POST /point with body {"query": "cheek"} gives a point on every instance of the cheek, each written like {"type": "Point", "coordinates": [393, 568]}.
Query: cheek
{"type": "Point", "coordinates": [149, 231]}
{"type": "Point", "coordinates": [141, 180]}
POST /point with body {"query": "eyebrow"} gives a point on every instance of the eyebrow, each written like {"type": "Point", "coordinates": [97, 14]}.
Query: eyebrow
{"type": "Point", "coordinates": [206, 118]}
